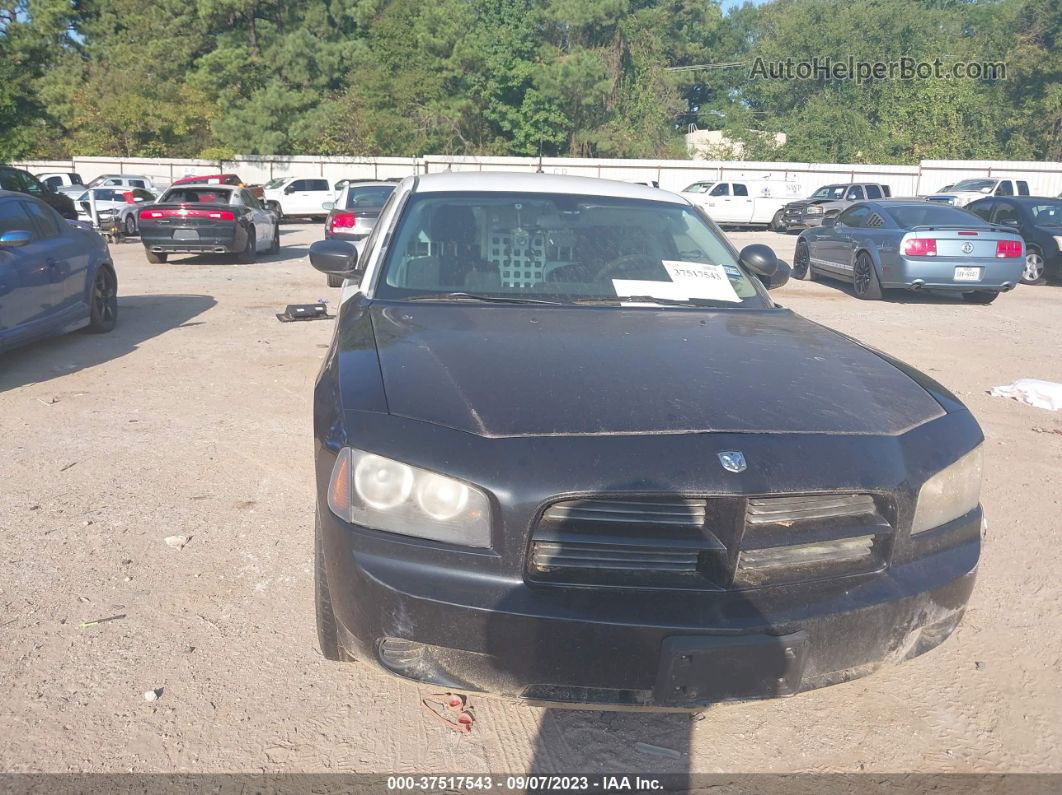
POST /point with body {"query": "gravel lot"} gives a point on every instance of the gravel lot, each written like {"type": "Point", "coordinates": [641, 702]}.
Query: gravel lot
{"type": "Point", "coordinates": [193, 418]}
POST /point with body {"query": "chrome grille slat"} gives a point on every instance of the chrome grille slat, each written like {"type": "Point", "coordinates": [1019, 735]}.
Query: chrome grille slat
{"type": "Point", "coordinates": [776, 510]}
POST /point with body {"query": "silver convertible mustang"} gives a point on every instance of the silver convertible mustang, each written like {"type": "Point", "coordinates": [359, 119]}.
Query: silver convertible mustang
{"type": "Point", "coordinates": [913, 245]}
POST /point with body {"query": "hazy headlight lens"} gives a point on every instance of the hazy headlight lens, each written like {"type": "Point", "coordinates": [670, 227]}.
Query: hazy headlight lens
{"type": "Point", "coordinates": [381, 482]}
{"type": "Point", "coordinates": [383, 494]}
{"type": "Point", "coordinates": [949, 494]}
{"type": "Point", "coordinates": [441, 498]}
{"type": "Point", "coordinates": [814, 210]}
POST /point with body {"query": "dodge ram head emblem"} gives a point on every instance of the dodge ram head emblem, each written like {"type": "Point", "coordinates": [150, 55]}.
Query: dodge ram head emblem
{"type": "Point", "coordinates": [733, 461]}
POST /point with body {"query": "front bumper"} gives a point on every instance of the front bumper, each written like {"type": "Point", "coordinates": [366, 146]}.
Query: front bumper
{"type": "Point", "coordinates": [606, 647]}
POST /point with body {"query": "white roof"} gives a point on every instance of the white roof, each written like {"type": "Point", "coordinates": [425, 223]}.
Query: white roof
{"type": "Point", "coordinates": [525, 182]}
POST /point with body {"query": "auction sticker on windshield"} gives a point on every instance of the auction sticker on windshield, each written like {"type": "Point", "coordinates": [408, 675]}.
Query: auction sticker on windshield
{"type": "Point", "coordinates": [688, 280]}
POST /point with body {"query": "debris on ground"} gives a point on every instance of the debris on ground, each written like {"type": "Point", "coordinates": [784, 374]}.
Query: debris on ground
{"type": "Point", "coordinates": [657, 750]}
{"type": "Point", "coordinates": [153, 695]}
{"type": "Point", "coordinates": [304, 312]}
{"type": "Point", "coordinates": [177, 542]}
{"type": "Point", "coordinates": [1041, 394]}
{"type": "Point", "coordinates": [1038, 429]}
{"type": "Point", "coordinates": [450, 709]}
{"type": "Point", "coordinates": [118, 617]}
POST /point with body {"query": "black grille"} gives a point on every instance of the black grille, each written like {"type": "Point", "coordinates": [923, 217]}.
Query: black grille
{"type": "Point", "coordinates": [671, 541]}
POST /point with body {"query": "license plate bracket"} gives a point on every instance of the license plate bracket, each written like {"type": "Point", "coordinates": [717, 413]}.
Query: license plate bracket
{"type": "Point", "coordinates": [698, 670]}
{"type": "Point", "coordinates": [967, 274]}
{"type": "Point", "coordinates": [185, 234]}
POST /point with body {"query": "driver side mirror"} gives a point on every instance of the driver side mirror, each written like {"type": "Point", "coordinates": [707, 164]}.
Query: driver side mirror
{"type": "Point", "coordinates": [762, 261]}
{"type": "Point", "coordinates": [829, 220]}
{"type": "Point", "coordinates": [335, 257]}
{"type": "Point", "coordinates": [15, 239]}
{"type": "Point", "coordinates": [289, 189]}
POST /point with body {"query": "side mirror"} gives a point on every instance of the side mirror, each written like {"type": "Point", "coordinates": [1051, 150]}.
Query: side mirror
{"type": "Point", "coordinates": [829, 220]}
{"type": "Point", "coordinates": [15, 239]}
{"type": "Point", "coordinates": [335, 257]}
{"type": "Point", "coordinates": [289, 189]}
{"type": "Point", "coordinates": [328, 205]}
{"type": "Point", "coordinates": [762, 261]}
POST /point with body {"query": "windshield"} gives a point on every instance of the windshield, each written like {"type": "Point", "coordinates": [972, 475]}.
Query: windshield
{"type": "Point", "coordinates": [698, 187]}
{"type": "Point", "coordinates": [191, 195]}
{"type": "Point", "coordinates": [1046, 213]}
{"type": "Point", "coordinates": [370, 197]}
{"type": "Point", "coordinates": [560, 248]}
{"type": "Point", "coordinates": [105, 195]}
{"type": "Point", "coordinates": [829, 192]}
{"type": "Point", "coordinates": [982, 185]}
{"type": "Point", "coordinates": [933, 215]}
{"type": "Point", "coordinates": [274, 183]}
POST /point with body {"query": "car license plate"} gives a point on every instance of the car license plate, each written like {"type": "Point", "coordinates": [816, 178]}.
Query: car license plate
{"type": "Point", "coordinates": [967, 274]}
{"type": "Point", "coordinates": [191, 234]}
{"type": "Point", "coordinates": [703, 670]}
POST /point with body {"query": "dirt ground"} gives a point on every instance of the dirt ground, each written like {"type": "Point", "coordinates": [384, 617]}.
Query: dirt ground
{"type": "Point", "coordinates": [193, 418]}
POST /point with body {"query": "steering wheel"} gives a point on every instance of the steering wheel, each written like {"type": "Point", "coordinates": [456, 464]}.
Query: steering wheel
{"type": "Point", "coordinates": [622, 267]}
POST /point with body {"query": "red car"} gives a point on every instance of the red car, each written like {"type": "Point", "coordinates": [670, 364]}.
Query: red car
{"type": "Point", "coordinates": [222, 179]}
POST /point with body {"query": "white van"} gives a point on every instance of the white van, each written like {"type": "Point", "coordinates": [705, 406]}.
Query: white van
{"type": "Point", "coordinates": [751, 202]}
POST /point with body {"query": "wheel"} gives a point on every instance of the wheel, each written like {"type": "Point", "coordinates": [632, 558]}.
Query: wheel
{"type": "Point", "coordinates": [327, 632]}
{"type": "Point", "coordinates": [777, 224]}
{"type": "Point", "coordinates": [250, 251]}
{"type": "Point", "coordinates": [274, 247]}
{"type": "Point", "coordinates": [865, 278]}
{"type": "Point", "coordinates": [1034, 267]}
{"type": "Point", "coordinates": [802, 262]}
{"type": "Point", "coordinates": [130, 225]}
{"type": "Point", "coordinates": [980, 297]}
{"type": "Point", "coordinates": [335, 281]}
{"type": "Point", "coordinates": [155, 257]}
{"type": "Point", "coordinates": [103, 307]}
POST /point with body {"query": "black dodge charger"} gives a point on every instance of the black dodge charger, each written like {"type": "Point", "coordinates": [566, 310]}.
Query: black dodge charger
{"type": "Point", "coordinates": [569, 450]}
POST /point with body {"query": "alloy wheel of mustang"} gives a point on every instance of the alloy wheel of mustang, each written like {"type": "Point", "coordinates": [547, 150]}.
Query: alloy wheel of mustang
{"type": "Point", "coordinates": [104, 297]}
{"type": "Point", "coordinates": [802, 261]}
{"type": "Point", "coordinates": [1034, 267]}
{"type": "Point", "coordinates": [862, 275]}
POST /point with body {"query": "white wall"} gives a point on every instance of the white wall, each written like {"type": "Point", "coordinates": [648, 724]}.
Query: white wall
{"type": "Point", "coordinates": [1044, 178]}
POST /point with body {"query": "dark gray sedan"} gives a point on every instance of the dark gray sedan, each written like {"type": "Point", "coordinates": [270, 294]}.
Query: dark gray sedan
{"type": "Point", "coordinates": [913, 245]}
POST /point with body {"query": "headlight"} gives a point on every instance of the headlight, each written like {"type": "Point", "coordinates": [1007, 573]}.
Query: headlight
{"type": "Point", "coordinates": [384, 494]}
{"type": "Point", "coordinates": [814, 210]}
{"type": "Point", "coordinates": [949, 494]}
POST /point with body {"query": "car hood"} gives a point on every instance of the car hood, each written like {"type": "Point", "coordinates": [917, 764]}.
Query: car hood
{"type": "Point", "coordinates": [523, 371]}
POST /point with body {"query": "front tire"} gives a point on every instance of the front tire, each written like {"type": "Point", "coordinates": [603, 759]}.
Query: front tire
{"type": "Point", "coordinates": [802, 262]}
{"type": "Point", "coordinates": [1035, 267]}
{"type": "Point", "coordinates": [155, 257]}
{"type": "Point", "coordinates": [103, 309]}
{"type": "Point", "coordinates": [274, 247]}
{"type": "Point", "coordinates": [250, 251]}
{"type": "Point", "coordinates": [327, 631]}
{"type": "Point", "coordinates": [980, 297]}
{"type": "Point", "coordinates": [777, 224]}
{"type": "Point", "coordinates": [865, 279]}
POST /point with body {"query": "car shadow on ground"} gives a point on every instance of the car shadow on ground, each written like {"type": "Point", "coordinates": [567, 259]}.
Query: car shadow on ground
{"type": "Point", "coordinates": [140, 317]}
{"type": "Point", "coordinates": [895, 296]}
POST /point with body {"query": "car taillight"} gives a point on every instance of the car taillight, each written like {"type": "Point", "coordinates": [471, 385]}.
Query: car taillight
{"type": "Point", "coordinates": [224, 215]}
{"type": "Point", "coordinates": [342, 221]}
{"type": "Point", "coordinates": [150, 214]}
{"type": "Point", "coordinates": [920, 247]}
{"type": "Point", "coordinates": [1008, 249]}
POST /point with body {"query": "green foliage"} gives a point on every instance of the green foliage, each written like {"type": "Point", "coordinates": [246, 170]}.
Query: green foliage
{"type": "Point", "coordinates": [571, 77]}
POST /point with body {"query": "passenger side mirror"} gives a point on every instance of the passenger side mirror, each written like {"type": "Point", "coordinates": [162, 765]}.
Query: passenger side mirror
{"type": "Point", "coordinates": [829, 220]}
{"type": "Point", "coordinates": [289, 189]}
{"type": "Point", "coordinates": [335, 257]}
{"type": "Point", "coordinates": [762, 261]}
{"type": "Point", "coordinates": [15, 239]}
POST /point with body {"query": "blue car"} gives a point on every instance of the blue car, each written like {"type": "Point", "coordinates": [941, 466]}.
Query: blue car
{"type": "Point", "coordinates": [913, 245]}
{"type": "Point", "coordinates": [55, 276]}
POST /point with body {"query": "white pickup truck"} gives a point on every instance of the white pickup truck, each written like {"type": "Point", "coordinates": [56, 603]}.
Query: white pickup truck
{"type": "Point", "coordinates": [748, 203]}
{"type": "Point", "coordinates": [962, 193]}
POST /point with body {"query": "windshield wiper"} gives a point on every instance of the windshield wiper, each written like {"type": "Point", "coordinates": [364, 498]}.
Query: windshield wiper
{"type": "Point", "coordinates": [493, 299]}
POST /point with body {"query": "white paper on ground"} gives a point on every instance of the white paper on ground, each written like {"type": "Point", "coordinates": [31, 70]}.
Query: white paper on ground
{"type": "Point", "coordinates": [688, 280]}
{"type": "Point", "coordinates": [1041, 394]}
